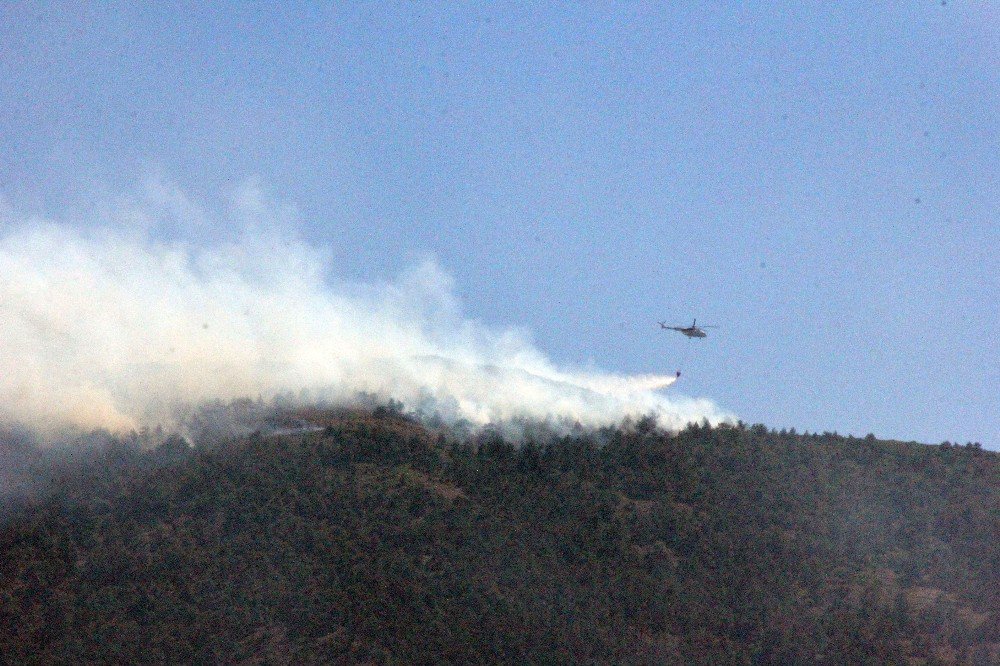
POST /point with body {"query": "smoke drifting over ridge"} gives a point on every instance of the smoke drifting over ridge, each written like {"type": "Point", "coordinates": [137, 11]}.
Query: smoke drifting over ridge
{"type": "Point", "coordinates": [128, 319]}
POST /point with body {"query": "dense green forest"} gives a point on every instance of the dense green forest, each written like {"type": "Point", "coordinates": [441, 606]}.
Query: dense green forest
{"type": "Point", "coordinates": [381, 539]}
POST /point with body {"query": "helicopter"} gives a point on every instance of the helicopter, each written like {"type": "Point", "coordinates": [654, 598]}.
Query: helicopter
{"type": "Point", "coordinates": [692, 331]}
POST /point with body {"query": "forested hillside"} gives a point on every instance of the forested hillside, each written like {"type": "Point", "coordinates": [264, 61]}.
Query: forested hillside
{"type": "Point", "coordinates": [382, 540]}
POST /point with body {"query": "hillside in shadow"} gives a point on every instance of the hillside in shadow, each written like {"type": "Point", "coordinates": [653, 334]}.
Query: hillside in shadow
{"type": "Point", "coordinates": [371, 537]}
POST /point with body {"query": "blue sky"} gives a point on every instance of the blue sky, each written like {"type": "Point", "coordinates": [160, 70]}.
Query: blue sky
{"type": "Point", "coordinates": [818, 179]}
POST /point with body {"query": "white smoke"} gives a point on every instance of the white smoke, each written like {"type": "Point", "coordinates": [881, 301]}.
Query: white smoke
{"type": "Point", "coordinates": [124, 320]}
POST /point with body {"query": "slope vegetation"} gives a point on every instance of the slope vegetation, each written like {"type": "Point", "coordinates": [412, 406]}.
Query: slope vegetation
{"type": "Point", "coordinates": [381, 540]}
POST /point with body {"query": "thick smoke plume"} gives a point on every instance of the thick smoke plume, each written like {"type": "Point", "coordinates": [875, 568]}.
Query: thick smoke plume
{"type": "Point", "coordinates": [132, 316]}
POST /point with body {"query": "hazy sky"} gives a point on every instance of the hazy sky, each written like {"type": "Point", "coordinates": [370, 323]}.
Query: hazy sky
{"type": "Point", "coordinates": [820, 180]}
